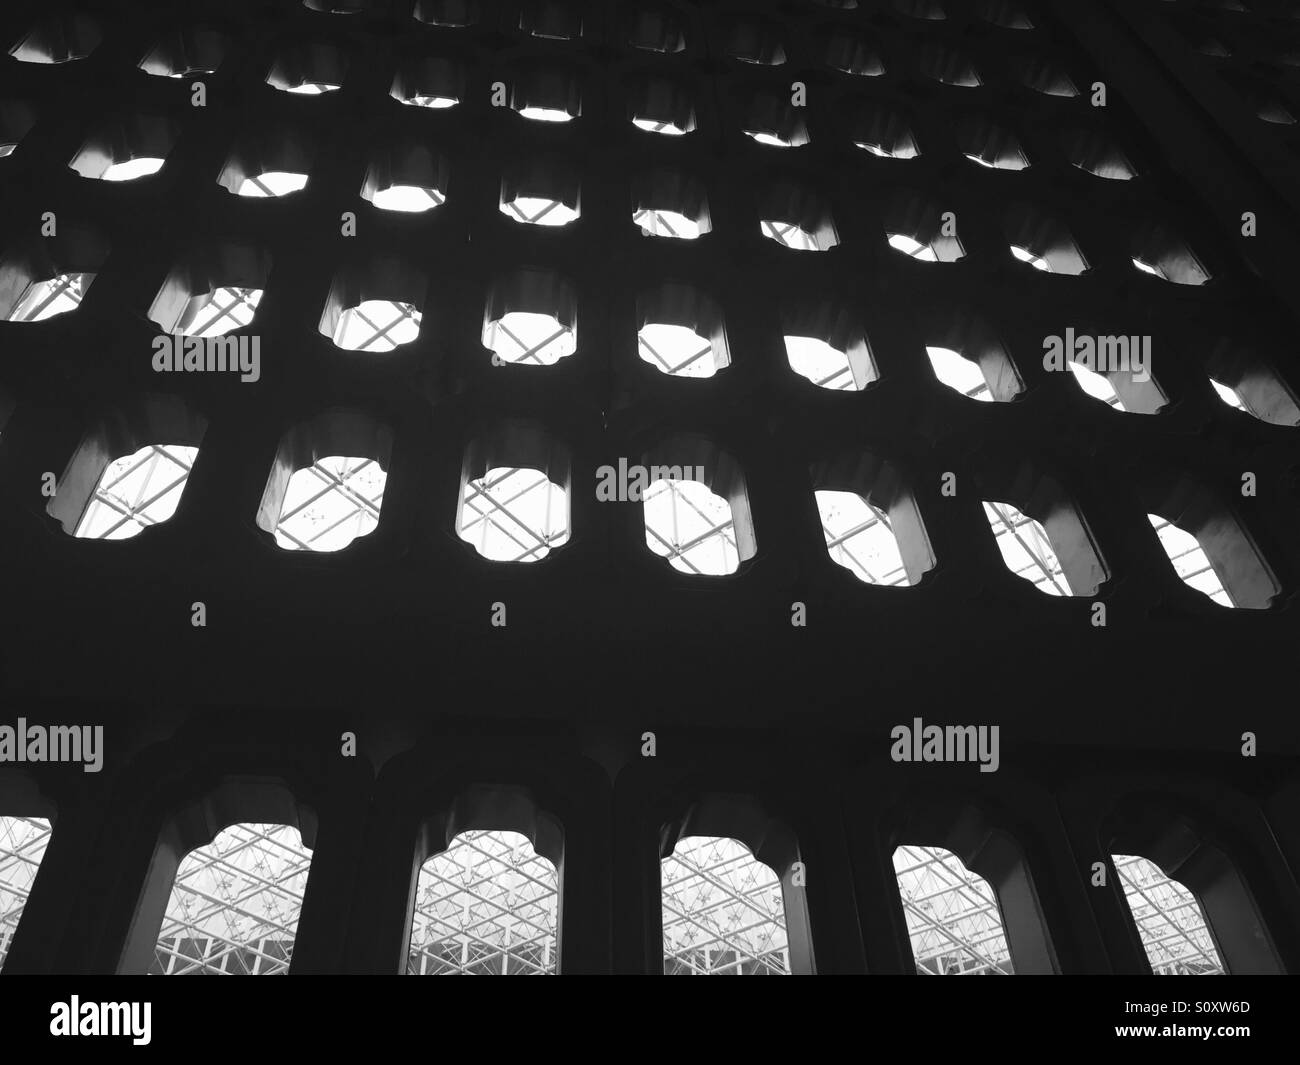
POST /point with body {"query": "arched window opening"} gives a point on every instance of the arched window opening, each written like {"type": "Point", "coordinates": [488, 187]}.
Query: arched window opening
{"type": "Point", "coordinates": [691, 527]}
{"type": "Point", "coordinates": [330, 503]}
{"type": "Point", "coordinates": [860, 538]}
{"type": "Point", "coordinates": [377, 325]}
{"type": "Point", "coordinates": [235, 904]}
{"type": "Point", "coordinates": [960, 374]}
{"type": "Point", "coordinates": [1189, 560]}
{"type": "Point", "coordinates": [137, 491]}
{"type": "Point", "coordinates": [513, 515]}
{"type": "Point", "coordinates": [1170, 921]}
{"type": "Point", "coordinates": [953, 918]}
{"type": "Point", "coordinates": [723, 911]}
{"type": "Point", "coordinates": [1026, 548]}
{"type": "Point", "coordinates": [23, 841]}
{"type": "Point", "coordinates": [486, 906]}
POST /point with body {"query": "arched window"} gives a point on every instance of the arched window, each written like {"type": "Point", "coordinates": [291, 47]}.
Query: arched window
{"type": "Point", "coordinates": [953, 919]}
{"type": "Point", "coordinates": [50, 297]}
{"type": "Point", "coordinates": [860, 538]}
{"type": "Point", "coordinates": [513, 514]}
{"type": "Point", "coordinates": [235, 903]}
{"type": "Point", "coordinates": [330, 503]}
{"type": "Point", "coordinates": [1026, 548]}
{"type": "Point", "coordinates": [960, 373]}
{"type": "Point", "coordinates": [1189, 560]}
{"type": "Point", "coordinates": [22, 846]}
{"type": "Point", "coordinates": [723, 911]}
{"type": "Point", "coordinates": [1170, 921]}
{"type": "Point", "coordinates": [137, 491]}
{"type": "Point", "coordinates": [690, 526]}
{"type": "Point", "coordinates": [486, 906]}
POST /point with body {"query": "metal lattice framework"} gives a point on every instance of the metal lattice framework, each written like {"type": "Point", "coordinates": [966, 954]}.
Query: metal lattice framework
{"type": "Point", "coordinates": [329, 504]}
{"type": "Point", "coordinates": [137, 491]}
{"type": "Point", "coordinates": [691, 527]}
{"type": "Point", "coordinates": [723, 911]}
{"type": "Point", "coordinates": [234, 906]}
{"type": "Point", "coordinates": [1189, 560]}
{"type": "Point", "coordinates": [1169, 919]}
{"type": "Point", "coordinates": [486, 906]}
{"type": "Point", "coordinates": [952, 915]}
{"type": "Point", "coordinates": [22, 846]}
{"type": "Point", "coordinates": [859, 538]}
{"type": "Point", "coordinates": [513, 515]}
{"type": "Point", "coordinates": [1025, 548]}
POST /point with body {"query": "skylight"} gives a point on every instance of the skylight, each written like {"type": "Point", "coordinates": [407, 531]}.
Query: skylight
{"type": "Point", "coordinates": [859, 538]}
{"type": "Point", "coordinates": [513, 515]}
{"type": "Point", "coordinates": [137, 491]}
{"type": "Point", "coordinates": [691, 527]}
{"type": "Point", "coordinates": [486, 906]}
{"type": "Point", "coordinates": [329, 504]}
{"type": "Point", "coordinates": [723, 911]}
{"type": "Point", "coordinates": [952, 915]}
{"type": "Point", "coordinates": [528, 337]}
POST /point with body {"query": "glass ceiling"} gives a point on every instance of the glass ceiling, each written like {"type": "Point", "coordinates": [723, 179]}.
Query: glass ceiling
{"type": "Point", "coordinates": [676, 350]}
{"type": "Point", "coordinates": [527, 337]}
{"type": "Point", "coordinates": [22, 846]}
{"type": "Point", "coordinates": [691, 527]}
{"type": "Point", "coordinates": [823, 365]}
{"type": "Point", "coordinates": [789, 235]}
{"type": "Point", "coordinates": [723, 912]}
{"type": "Point", "coordinates": [329, 504]}
{"type": "Point", "coordinates": [218, 312]}
{"type": "Point", "coordinates": [137, 491]}
{"type": "Point", "coordinates": [1169, 919]}
{"type": "Point", "coordinates": [859, 538]}
{"type": "Point", "coordinates": [486, 906]}
{"type": "Point", "coordinates": [489, 905]}
{"type": "Point", "coordinates": [513, 515]}
{"type": "Point", "coordinates": [1025, 548]}
{"type": "Point", "coordinates": [952, 915]}
{"type": "Point", "coordinates": [235, 904]}
{"type": "Point", "coordinates": [1189, 560]}
{"type": "Point", "coordinates": [45, 299]}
